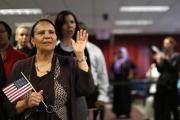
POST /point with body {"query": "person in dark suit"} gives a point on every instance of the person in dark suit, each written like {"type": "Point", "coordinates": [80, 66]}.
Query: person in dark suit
{"type": "Point", "coordinates": [168, 64]}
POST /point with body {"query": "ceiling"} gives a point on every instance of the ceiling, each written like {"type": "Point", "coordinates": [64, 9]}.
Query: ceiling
{"type": "Point", "coordinates": [92, 11]}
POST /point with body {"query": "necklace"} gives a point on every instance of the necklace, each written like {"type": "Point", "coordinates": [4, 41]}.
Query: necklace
{"type": "Point", "coordinates": [37, 68]}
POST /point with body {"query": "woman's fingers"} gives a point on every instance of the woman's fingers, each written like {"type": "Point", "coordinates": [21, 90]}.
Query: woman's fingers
{"type": "Point", "coordinates": [40, 92]}
{"type": "Point", "coordinates": [35, 99]}
{"type": "Point", "coordinates": [81, 35]}
{"type": "Point", "coordinates": [84, 34]}
{"type": "Point", "coordinates": [77, 35]}
{"type": "Point", "coordinates": [86, 37]}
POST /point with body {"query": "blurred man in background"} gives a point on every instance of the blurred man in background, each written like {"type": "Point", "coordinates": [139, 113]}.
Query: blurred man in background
{"type": "Point", "coordinates": [99, 72]}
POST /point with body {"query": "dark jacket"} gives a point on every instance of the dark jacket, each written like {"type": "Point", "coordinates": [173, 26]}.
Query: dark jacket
{"type": "Point", "coordinates": [81, 100]}
{"type": "Point", "coordinates": [81, 82]}
{"type": "Point", "coordinates": [169, 71]}
{"type": "Point", "coordinates": [6, 109]}
{"type": "Point", "coordinates": [165, 100]}
{"type": "Point", "coordinates": [3, 115]}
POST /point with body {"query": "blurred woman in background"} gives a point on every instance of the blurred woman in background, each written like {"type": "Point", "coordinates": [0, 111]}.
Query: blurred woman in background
{"type": "Point", "coordinates": [123, 70]}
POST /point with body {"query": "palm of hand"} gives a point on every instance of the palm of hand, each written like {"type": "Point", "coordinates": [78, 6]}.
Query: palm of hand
{"type": "Point", "coordinates": [80, 43]}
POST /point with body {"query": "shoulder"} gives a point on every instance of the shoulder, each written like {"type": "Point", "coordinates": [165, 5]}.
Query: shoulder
{"type": "Point", "coordinates": [92, 46]}
{"type": "Point", "coordinates": [23, 62]}
{"type": "Point", "coordinates": [175, 56]}
{"type": "Point", "coordinates": [94, 50]}
{"type": "Point", "coordinates": [24, 65]}
{"type": "Point", "coordinates": [18, 54]}
{"type": "Point", "coordinates": [131, 63]}
{"type": "Point", "coordinates": [57, 48]}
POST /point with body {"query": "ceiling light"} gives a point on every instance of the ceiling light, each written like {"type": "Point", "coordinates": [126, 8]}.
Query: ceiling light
{"type": "Point", "coordinates": [29, 24]}
{"type": "Point", "coordinates": [133, 22]}
{"type": "Point", "coordinates": [144, 8]}
{"type": "Point", "coordinates": [126, 31]}
{"type": "Point", "coordinates": [33, 11]}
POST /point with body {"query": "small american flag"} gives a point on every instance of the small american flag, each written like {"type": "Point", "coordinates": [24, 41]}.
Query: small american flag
{"type": "Point", "coordinates": [17, 89]}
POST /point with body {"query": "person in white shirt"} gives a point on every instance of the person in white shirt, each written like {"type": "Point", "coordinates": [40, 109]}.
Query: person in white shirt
{"type": "Point", "coordinates": [153, 75]}
{"type": "Point", "coordinates": [100, 76]}
{"type": "Point", "coordinates": [99, 71]}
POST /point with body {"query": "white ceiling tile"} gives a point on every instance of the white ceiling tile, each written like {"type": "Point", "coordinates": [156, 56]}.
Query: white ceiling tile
{"type": "Point", "coordinates": [91, 12]}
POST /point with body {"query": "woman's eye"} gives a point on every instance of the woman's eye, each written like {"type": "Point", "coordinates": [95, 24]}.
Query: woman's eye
{"type": "Point", "coordinates": [72, 22]}
{"type": "Point", "coordinates": [40, 33]}
{"type": "Point", "coordinates": [51, 32]}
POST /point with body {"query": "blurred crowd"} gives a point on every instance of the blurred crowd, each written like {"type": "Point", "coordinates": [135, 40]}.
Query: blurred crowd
{"type": "Point", "coordinates": [66, 36]}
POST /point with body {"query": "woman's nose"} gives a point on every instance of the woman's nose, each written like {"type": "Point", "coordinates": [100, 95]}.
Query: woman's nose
{"type": "Point", "coordinates": [47, 34]}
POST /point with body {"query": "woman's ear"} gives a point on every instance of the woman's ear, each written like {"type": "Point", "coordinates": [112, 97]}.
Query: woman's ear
{"type": "Point", "coordinates": [32, 42]}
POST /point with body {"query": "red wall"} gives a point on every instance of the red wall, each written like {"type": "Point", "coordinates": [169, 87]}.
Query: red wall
{"type": "Point", "coordinates": [138, 48]}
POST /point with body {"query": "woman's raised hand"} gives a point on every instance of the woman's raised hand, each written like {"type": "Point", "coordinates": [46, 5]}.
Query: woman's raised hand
{"type": "Point", "coordinates": [80, 43]}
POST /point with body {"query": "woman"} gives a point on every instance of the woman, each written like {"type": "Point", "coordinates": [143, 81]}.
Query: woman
{"type": "Point", "coordinates": [23, 40]}
{"type": "Point", "coordinates": [67, 26]}
{"type": "Point", "coordinates": [166, 96]}
{"type": "Point", "coordinates": [58, 80]}
{"type": "Point", "coordinates": [123, 71]}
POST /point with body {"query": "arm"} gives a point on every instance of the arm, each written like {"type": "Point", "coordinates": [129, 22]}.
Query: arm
{"type": "Point", "coordinates": [79, 47]}
{"type": "Point", "coordinates": [2, 74]}
{"type": "Point", "coordinates": [82, 64]}
{"type": "Point", "coordinates": [83, 80]}
{"type": "Point", "coordinates": [33, 100]}
{"type": "Point", "coordinates": [23, 103]}
{"type": "Point", "coordinates": [11, 107]}
{"type": "Point", "coordinates": [102, 78]}
{"type": "Point", "coordinates": [161, 62]}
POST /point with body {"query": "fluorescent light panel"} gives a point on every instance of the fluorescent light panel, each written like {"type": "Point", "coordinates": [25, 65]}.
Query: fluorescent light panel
{"type": "Point", "coordinates": [126, 31]}
{"type": "Point", "coordinates": [144, 8]}
{"type": "Point", "coordinates": [133, 22]}
{"type": "Point", "coordinates": [29, 24]}
{"type": "Point", "coordinates": [33, 11]}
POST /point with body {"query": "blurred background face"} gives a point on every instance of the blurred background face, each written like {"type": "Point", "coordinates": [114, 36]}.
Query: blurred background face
{"type": "Point", "coordinates": [69, 26]}
{"type": "Point", "coordinates": [22, 36]}
{"type": "Point", "coordinates": [3, 36]}
{"type": "Point", "coordinates": [119, 54]}
{"type": "Point", "coordinates": [168, 45]}
{"type": "Point", "coordinates": [44, 36]}
{"type": "Point", "coordinates": [123, 53]}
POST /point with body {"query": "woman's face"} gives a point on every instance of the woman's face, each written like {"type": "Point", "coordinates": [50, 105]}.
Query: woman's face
{"type": "Point", "coordinates": [44, 36]}
{"type": "Point", "coordinates": [168, 46]}
{"type": "Point", "coordinates": [3, 36]}
{"type": "Point", "coordinates": [69, 26]}
{"type": "Point", "coordinates": [22, 36]}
